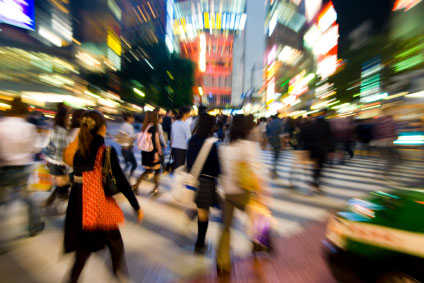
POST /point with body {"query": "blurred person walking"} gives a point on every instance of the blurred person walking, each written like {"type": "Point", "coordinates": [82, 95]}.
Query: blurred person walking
{"type": "Point", "coordinates": [166, 125]}
{"type": "Point", "coordinates": [150, 159]}
{"type": "Point", "coordinates": [343, 130]}
{"type": "Point", "coordinates": [239, 153]}
{"type": "Point", "coordinates": [274, 130]}
{"type": "Point", "coordinates": [202, 109]}
{"type": "Point", "coordinates": [180, 134]}
{"type": "Point", "coordinates": [262, 128]}
{"type": "Point", "coordinates": [317, 139]}
{"type": "Point", "coordinates": [364, 135]}
{"type": "Point", "coordinates": [206, 195]}
{"type": "Point", "coordinates": [75, 124]}
{"type": "Point", "coordinates": [384, 134]}
{"type": "Point", "coordinates": [92, 217]}
{"type": "Point", "coordinates": [18, 146]}
{"type": "Point", "coordinates": [163, 142]}
{"type": "Point", "coordinates": [58, 142]}
{"type": "Point", "coordinates": [125, 138]}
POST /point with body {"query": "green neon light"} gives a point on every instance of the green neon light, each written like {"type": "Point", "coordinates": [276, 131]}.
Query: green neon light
{"type": "Point", "coordinates": [285, 83]}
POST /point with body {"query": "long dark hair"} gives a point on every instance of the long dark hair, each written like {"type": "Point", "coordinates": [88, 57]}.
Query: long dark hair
{"type": "Point", "coordinates": [205, 125]}
{"type": "Point", "coordinates": [91, 122]}
{"type": "Point", "coordinates": [183, 110]}
{"type": "Point", "coordinates": [239, 128]}
{"type": "Point", "coordinates": [76, 116]}
{"type": "Point", "coordinates": [61, 115]}
{"type": "Point", "coordinates": [150, 118]}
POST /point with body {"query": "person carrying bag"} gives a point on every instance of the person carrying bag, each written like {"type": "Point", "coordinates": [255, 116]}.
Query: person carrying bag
{"type": "Point", "coordinates": [185, 183]}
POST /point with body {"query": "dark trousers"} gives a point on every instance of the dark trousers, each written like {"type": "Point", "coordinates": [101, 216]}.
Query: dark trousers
{"type": "Point", "coordinates": [179, 157]}
{"type": "Point", "coordinates": [129, 159]}
{"type": "Point", "coordinates": [116, 246]}
{"type": "Point", "coordinates": [276, 154]}
{"type": "Point", "coordinates": [319, 163]}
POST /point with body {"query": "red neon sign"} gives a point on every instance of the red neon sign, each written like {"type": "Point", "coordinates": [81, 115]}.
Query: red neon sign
{"type": "Point", "coordinates": [405, 4]}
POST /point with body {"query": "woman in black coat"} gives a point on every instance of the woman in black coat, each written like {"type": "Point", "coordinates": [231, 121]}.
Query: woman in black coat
{"type": "Point", "coordinates": [92, 218]}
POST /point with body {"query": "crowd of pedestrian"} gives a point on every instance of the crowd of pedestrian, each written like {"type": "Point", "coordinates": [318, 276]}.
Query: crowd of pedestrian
{"type": "Point", "coordinates": [87, 172]}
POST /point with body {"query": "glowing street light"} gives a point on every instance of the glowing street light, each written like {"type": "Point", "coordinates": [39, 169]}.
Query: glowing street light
{"type": "Point", "coordinates": [139, 92]}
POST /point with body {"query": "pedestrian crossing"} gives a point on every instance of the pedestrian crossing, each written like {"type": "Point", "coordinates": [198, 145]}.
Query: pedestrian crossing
{"type": "Point", "coordinates": [164, 241]}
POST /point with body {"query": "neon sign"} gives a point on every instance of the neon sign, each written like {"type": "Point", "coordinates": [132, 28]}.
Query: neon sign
{"type": "Point", "coordinates": [18, 13]}
{"type": "Point", "coordinates": [327, 17]}
{"type": "Point", "coordinates": [405, 4]}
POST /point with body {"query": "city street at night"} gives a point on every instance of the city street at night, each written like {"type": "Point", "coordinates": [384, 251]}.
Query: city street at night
{"type": "Point", "coordinates": [161, 250]}
{"type": "Point", "coordinates": [198, 141]}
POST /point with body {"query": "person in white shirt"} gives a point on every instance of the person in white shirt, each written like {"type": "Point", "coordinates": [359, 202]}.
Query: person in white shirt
{"type": "Point", "coordinates": [239, 151]}
{"type": "Point", "coordinates": [126, 138]}
{"type": "Point", "coordinates": [180, 134]}
{"type": "Point", "coordinates": [18, 146]}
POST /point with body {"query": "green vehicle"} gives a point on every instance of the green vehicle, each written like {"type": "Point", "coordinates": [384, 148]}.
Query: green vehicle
{"type": "Point", "coordinates": [378, 239]}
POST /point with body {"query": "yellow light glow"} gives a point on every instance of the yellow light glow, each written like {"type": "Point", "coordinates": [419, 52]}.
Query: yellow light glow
{"type": "Point", "coordinates": [206, 15]}
{"type": "Point", "coordinates": [218, 20]}
{"type": "Point", "coordinates": [113, 42]}
{"type": "Point", "coordinates": [184, 24]}
{"type": "Point", "coordinates": [76, 41]}
{"type": "Point", "coordinates": [212, 20]}
{"type": "Point", "coordinates": [4, 106]}
{"type": "Point", "coordinates": [200, 91]}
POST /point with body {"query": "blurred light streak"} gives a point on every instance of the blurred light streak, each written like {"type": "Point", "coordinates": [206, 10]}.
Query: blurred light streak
{"type": "Point", "coordinates": [5, 106]}
{"type": "Point", "coordinates": [91, 94]}
{"type": "Point", "coordinates": [242, 21]}
{"type": "Point", "coordinates": [327, 17]}
{"type": "Point", "coordinates": [113, 42]}
{"type": "Point", "coordinates": [419, 94]}
{"type": "Point", "coordinates": [405, 4]}
{"type": "Point", "coordinates": [148, 63]}
{"type": "Point", "coordinates": [272, 24]}
{"type": "Point", "coordinates": [139, 92]}
{"type": "Point", "coordinates": [370, 107]}
{"type": "Point", "coordinates": [312, 36]}
{"type": "Point", "coordinates": [50, 36]}
{"type": "Point", "coordinates": [60, 6]}
{"type": "Point", "coordinates": [200, 91]}
{"type": "Point", "coordinates": [410, 139]}
{"type": "Point", "coordinates": [395, 95]}
{"type": "Point", "coordinates": [76, 41]}
{"type": "Point", "coordinates": [87, 58]}
{"type": "Point", "coordinates": [141, 12]}
{"type": "Point", "coordinates": [311, 8]}
{"type": "Point", "coordinates": [206, 15]}
{"type": "Point", "coordinates": [148, 107]}
{"type": "Point", "coordinates": [150, 7]}
{"type": "Point", "coordinates": [409, 63]}
{"type": "Point", "coordinates": [135, 11]}
{"type": "Point", "coordinates": [170, 75]}
{"type": "Point", "coordinates": [375, 97]}
{"type": "Point", "coordinates": [126, 42]}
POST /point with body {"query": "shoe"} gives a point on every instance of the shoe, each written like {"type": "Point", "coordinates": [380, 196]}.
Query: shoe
{"type": "Point", "coordinates": [154, 192]}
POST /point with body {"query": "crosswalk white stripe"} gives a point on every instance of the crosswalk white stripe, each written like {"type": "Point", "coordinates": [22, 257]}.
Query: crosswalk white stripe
{"type": "Point", "coordinates": [338, 183]}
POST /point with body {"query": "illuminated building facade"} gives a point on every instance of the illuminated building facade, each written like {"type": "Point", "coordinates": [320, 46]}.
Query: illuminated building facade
{"type": "Point", "coordinates": [205, 32]}
{"type": "Point", "coordinates": [286, 62]}
{"type": "Point", "coordinates": [301, 49]}
{"type": "Point", "coordinates": [36, 39]}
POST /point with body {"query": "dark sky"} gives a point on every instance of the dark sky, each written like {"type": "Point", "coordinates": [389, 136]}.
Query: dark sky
{"type": "Point", "coordinates": [351, 13]}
